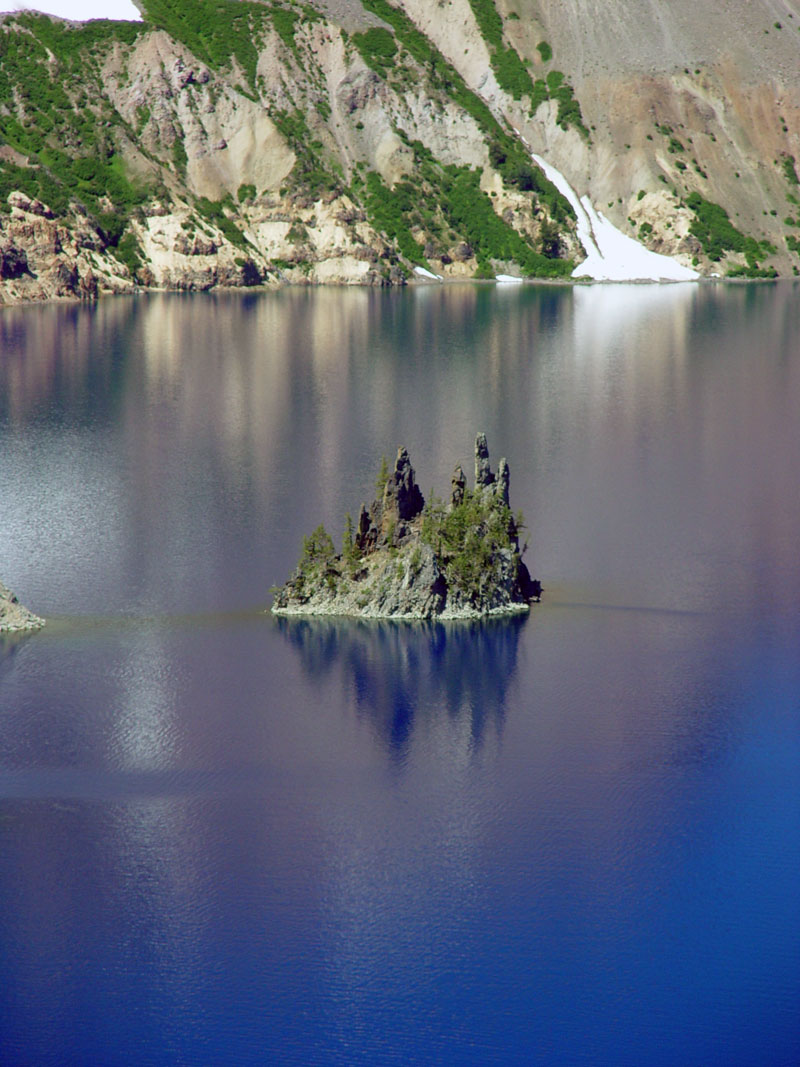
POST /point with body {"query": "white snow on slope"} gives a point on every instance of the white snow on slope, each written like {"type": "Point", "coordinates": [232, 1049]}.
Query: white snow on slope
{"type": "Point", "coordinates": [611, 256]}
{"type": "Point", "coordinates": [423, 273]}
{"type": "Point", "coordinates": [80, 10]}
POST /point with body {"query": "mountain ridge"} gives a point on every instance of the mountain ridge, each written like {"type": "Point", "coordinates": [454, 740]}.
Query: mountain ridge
{"type": "Point", "coordinates": [237, 143]}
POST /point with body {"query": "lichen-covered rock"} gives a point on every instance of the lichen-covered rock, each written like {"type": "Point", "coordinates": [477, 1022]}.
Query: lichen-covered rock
{"type": "Point", "coordinates": [13, 616]}
{"type": "Point", "coordinates": [409, 559]}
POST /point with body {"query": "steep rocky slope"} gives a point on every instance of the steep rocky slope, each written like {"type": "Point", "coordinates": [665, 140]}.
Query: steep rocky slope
{"type": "Point", "coordinates": [236, 143]}
{"type": "Point", "coordinates": [245, 143]}
{"type": "Point", "coordinates": [691, 112]}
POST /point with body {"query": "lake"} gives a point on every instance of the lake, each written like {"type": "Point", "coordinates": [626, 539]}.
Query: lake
{"type": "Point", "coordinates": [568, 839]}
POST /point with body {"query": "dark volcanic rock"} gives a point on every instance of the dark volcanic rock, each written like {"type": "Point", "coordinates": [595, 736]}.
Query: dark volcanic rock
{"type": "Point", "coordinates": [458, 485]}
{"type": "Point", "coordinates": [503, 480]}
{"type": "Point", "coordinates": [483, 472]}
{"type": "Point", "coordinates": [402, 497]}
{"type": "Point", "coordinates": [13, 263]}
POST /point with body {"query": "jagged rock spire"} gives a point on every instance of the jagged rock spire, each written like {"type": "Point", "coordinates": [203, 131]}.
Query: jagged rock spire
{"type": "Point", "coordinates": [503, 480]}
{"type": "Point", "coordinates": [458, 485]}
{"type": "Point", "coordinates": [402, 494]}
{"type": "Point", "coordinates": [483, 472]}
{"type": "Point", "coordinates": [366, 533]}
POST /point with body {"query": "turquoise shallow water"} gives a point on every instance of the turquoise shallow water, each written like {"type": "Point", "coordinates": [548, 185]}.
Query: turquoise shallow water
{"type": "Point", "coordinates": [569, 839]}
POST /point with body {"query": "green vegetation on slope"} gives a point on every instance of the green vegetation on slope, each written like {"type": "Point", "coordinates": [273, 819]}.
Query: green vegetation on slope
{"type": "Point", "coordinates": [377, 48]}
{"type": "Point", "coordinates": [310, 172]}
{"type": "Point", "coordinates": [214, 212]}
{"type": "Point", "coordinates": [513, 76]}
{"type": "Point", "coordinates": [569, 110]}
{"type": "Point", "coordinates": [447, 204]}
{"type": "Point", "coordinates": [469, 538]}
{"type": "Point", "coordinates": [511, 73]}
{"type": "Point", "coordinates": [49, 118]}
{"type": "Point", "coordinates": [716, 233]}
{"type": "Point", "coordinates": [509, 156]}
{"type": "Point", "coordinates": [218, 31]}
{"type": "Point", "coordinates": [390, 209]}
{"type": "Point", "coordinates": [789, 171]}
{"type": "Point", "coordinates": [55, 114]}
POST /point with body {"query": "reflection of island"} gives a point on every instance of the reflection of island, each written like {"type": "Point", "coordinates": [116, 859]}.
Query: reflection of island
{"type": "Point", "coordinates": [9, 646]}
{"type": "Point", "coordinates": [399, 672]}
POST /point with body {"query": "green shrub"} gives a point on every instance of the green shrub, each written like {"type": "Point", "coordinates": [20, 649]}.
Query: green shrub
{"type": "Point", "coordinates": [545, 51]}
{"type": "Point", "coordinates": [790, 173]}
{"type": "Point", "coordinates": [751, 271]}
{"type": "Point", "coordinates": [217, 32]}
{"type": "Point", "coordinates": [467, 539]}
{"type": "Point", "coordinates": [717, 234]}
{"type": "Point", "coordinates": [511, 73]}
{"type": "Point", "coordinates": [309, 170]}
{"type": "Point", "coordinates": [377, 47]}
{"type": "Point", "coordinates": [489, 22]}
{"type": "Point", "coordinates": [129, 253]}
{"type": "Point", "coordinates": [539, 95]}
{"type": "Point", "coordinates": [213, 212]}
{"type": "Point", "coordinates": [569, 110]}
{"type": "Point", "coordinates": [389, 210]}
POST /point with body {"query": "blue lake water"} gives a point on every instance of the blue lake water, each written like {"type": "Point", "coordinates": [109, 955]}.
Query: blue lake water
{"type": "Point", "coordinates": [570, 839]}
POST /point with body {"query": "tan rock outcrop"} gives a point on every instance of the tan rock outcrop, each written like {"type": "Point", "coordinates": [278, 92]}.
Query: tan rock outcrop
{"type": "Point", "coordinates": [14, 618]}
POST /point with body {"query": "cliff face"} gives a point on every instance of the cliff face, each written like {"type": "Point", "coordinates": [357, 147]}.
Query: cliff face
{"type": "Point", "coordinates": [348, 141]}
{"type": "Point", "coordinates": [688, 104]}
{"type": "Point", "coordinates": [409, 560]}
{"type": "Point", "coordinates": [254, 143]}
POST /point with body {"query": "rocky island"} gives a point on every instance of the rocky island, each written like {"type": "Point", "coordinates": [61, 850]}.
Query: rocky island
{"type": "Point", "coordinates": [13, 616]}
{"type": "Point", "coordinates": [408, 559]}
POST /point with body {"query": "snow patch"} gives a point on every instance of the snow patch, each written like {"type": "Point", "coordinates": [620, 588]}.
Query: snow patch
{"type": "Point", "coordinates": [507, 278]}
{"type": "Point", "coordinates": [423, 273]}
{"type": "Point", "coordinates": [612, 256]}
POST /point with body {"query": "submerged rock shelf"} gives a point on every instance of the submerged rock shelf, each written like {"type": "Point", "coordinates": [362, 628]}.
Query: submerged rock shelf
{"type": "Point", "coordinates": [14, 618]}
{"type": "Point", "coordinates": [408, 559]}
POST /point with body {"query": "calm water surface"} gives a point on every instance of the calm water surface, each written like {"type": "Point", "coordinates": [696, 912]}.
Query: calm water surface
{"type": "Point", "coordinates": [573, 839]}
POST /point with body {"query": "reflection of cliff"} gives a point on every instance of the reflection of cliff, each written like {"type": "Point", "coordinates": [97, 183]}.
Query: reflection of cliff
{"type": "Point", "coordinates": [64, 362]}
{"type": "Point", "coordinates": [398, 673]}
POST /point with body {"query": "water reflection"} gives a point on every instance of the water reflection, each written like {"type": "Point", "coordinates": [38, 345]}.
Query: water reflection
{"type": "Point", "coordinates": [395, 672]}
{"type": "Point", "coordinates": [203, 829]}
{"type": "Point", "coordinates": [10, 645]}
{"type": "Point", "coordinates": [65, 363]}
